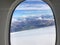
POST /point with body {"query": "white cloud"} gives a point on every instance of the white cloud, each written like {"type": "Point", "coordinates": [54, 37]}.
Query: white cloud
{"type": "Point", "coordinates": [33, 7]}
{"type": "Point", "coordinates": [14, 20]}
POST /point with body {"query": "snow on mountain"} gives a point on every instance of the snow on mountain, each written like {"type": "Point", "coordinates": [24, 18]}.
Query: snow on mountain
{"type": "Point", "coordinates": [30, 22]}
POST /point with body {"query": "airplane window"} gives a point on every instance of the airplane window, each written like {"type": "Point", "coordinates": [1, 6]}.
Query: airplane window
{"type": "Point", "coordinates": [33, 24]}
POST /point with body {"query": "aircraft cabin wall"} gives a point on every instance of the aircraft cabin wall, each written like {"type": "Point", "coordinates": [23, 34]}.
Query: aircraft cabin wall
{"type": "Point", "coordinates": [6, 8]}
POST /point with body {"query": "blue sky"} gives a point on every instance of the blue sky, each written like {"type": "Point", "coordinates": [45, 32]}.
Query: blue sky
{"type": "Point", "coordinates": [32, 7]}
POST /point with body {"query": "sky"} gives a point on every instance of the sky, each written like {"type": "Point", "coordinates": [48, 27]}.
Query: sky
{"type": "Point", "coordinates": [32, 7]}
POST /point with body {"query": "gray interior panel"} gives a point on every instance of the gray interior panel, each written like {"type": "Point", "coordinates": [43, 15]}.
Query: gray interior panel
{"type": "Point", "coordinates": [6, 9]}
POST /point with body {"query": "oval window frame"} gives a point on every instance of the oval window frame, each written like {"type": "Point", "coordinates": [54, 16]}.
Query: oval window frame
{"type": "Point", "coordinates": [16, 3]}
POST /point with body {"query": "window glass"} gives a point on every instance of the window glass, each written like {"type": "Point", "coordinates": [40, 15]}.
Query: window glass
{"type": "Point", "coordinates": [32, 24]}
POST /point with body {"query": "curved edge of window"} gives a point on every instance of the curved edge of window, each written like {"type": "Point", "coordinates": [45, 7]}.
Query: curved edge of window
{"type": "Point", "coordinates": [16, 3]}
{"type": "Point", "coordinates": [11, 10]}
{"type": "Point", "coordinates": [51, 6]}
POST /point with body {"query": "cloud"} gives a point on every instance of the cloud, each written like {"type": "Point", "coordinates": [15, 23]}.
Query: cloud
{"type": "Point", "coordinates": [33, 7]}
{"type": "Point", "coordinates": [14, 20]}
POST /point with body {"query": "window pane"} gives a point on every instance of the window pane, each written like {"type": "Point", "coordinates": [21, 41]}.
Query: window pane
{"type": "Point", "coordinates": [33, 24]}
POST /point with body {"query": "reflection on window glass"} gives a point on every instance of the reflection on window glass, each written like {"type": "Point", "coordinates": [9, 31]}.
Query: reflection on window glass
{"type": "Point", "coordinates": [33, 24]}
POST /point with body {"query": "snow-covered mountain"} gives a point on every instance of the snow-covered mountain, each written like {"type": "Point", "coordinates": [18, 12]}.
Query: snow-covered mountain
{"type": "Point", "coordinates": [31, 22]}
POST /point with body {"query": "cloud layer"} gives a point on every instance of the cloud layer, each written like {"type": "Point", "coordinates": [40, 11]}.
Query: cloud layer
{"type": "Point", "coordinates": [33, 5]}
